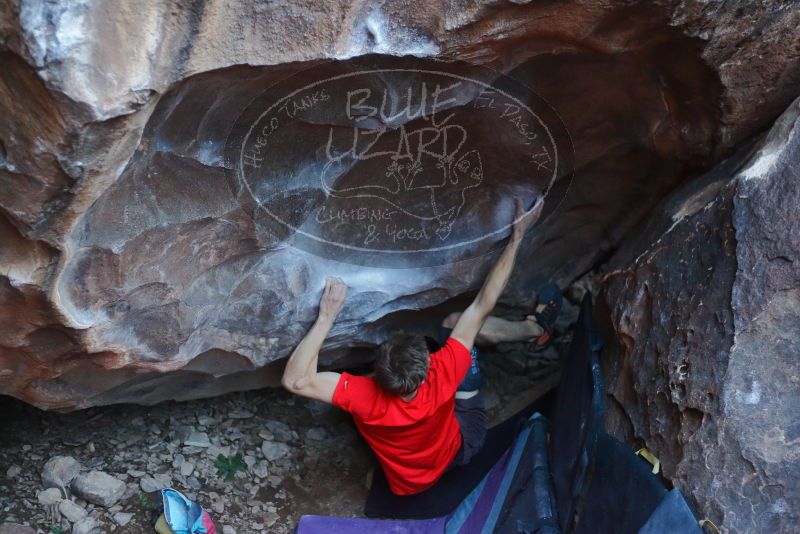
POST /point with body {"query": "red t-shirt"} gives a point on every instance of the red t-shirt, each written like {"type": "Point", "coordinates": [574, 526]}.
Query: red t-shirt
{"type": "Point", "coordinates": [415, 441]}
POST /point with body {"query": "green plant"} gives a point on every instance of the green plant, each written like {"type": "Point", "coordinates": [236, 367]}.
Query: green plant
{"type": "Point", "coordinates": [146, 503]}
{"type": "Point", "coordinates": [228, 466]}
{"type": "Point", "coordinates": [53, 529]}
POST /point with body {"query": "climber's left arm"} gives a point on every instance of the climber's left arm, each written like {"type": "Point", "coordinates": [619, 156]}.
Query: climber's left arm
{"type": "Point", "coordinates": [301, 376]}
{"type": "Point", "coordinates": [471, 320]}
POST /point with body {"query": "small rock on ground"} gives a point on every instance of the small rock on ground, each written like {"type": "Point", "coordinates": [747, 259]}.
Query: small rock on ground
{"type": "Point", "coordinates": [187, 468]}
{"type": "Point", "coordinates": [122, 518]}
{"type": "Point", "coordinates": [49, 497]}
{"type": "Point", "coordinates": [217, 503]}
{"type": "Point", "coordinates": [13, 472]}
{"type": "Point", "coordinates": [316, 433]}
{"type": "Point", "coordinates": [261, 469]}
{"type": "Point", "coordinates": [60, 471]}
{"type": "Point", "coordinates": [198, 439]}
{"type": "Point", "coordinates": [280, 430]}
{"type": "Point", "coordinates": [71, 511]}
{"type": "Point", "coordinates": [87, 525]}
{"type": "Point", "coordinates": [149, 484]}
{"type": "Point", "coordinates": [16, 528]}
{"type": "Point", "coordinates": [99, 488]}
{"type": "Point", "coordinates": [274, 450]}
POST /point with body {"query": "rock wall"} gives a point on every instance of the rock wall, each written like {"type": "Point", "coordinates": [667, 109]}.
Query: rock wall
{"type": "Point", "coordinates": [131, 274]}
{"type": "Point", "coordinates": [705, 325]}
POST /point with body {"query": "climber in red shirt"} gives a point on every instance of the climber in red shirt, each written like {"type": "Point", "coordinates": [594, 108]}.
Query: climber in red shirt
{"type": "Point", "coordinates": [422, 412]}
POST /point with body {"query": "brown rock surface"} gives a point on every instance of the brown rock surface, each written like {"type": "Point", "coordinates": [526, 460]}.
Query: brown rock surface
{"type": "Point", "coordinates": [131, 272]}
{"type": "Point", "coordinates": [705, 317]}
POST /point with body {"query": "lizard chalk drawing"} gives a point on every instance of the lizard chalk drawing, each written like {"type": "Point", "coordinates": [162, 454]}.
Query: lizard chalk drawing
{"type": "Point", "coordinates": [426, 176]}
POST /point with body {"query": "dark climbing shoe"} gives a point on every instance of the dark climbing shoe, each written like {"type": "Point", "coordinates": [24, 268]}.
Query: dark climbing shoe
{"type": "Point", "coordinates": [550, 296]}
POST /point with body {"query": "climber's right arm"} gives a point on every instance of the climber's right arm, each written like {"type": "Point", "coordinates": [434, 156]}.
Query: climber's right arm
{"type": "Point", "coordinates": [300, 375]}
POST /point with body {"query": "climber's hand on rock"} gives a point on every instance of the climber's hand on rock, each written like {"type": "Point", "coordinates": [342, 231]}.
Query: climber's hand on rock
{"type": "Point", "coordinates": [332, 298]}
{"type": "Point", "coordinates": [523, 220]}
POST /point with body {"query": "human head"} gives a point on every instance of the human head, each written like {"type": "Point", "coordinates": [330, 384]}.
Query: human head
{"type": "Point", "coordinates": [402, 363]}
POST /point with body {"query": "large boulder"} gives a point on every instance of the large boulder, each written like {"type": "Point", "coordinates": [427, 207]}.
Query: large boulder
{"type": "Point", "coordinates": [704, 309]}
{"type": "Point", "coordinates": [134, 270]}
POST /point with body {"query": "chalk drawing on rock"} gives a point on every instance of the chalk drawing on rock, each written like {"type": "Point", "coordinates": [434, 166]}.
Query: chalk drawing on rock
{"type": "Point", "coordinates": [391, 165]}
{"type": "Point", "coordinates": [422, 182]}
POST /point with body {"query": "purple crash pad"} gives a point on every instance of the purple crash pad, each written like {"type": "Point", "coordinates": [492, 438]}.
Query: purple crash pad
{"type": "Point", "coordinates": [321, 524]}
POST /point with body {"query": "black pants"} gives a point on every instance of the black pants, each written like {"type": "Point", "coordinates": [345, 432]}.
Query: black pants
{"type": "Point", "coordinates": [471, 417]}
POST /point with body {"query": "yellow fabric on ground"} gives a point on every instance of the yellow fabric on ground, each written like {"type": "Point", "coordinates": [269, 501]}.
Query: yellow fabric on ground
{"type": "Point", "coordinates": [162, 527]}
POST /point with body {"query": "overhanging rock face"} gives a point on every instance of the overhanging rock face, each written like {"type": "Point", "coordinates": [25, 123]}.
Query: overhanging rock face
{"type": "Point", "coordinates": [706, 315]}
{"type": "Point", "coordinates": [137, 265]}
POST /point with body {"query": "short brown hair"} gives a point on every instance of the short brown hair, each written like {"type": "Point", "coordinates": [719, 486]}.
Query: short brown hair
{"type": "Point", "coordinates": [402, 363]}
